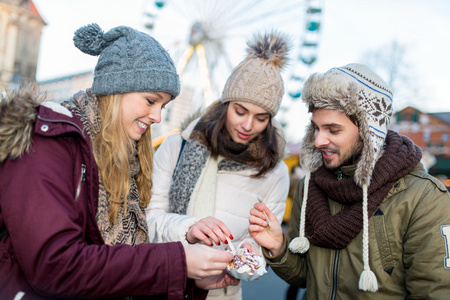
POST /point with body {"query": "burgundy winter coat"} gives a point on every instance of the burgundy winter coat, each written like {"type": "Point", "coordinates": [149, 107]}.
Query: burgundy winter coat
{"type": "Point", "coordinates": [53, 248]}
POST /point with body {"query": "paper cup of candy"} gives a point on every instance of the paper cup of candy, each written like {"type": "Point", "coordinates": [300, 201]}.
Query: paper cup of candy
{"type": "Point", "coordinates": [245, 265]}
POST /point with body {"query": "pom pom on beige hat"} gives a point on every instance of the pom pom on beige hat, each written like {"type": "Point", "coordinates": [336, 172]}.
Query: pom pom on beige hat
{"type": "Point", "coordinates": [257, 79]}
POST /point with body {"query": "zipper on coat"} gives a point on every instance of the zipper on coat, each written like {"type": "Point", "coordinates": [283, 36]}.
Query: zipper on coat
{"type": "Point", "coordinates": [335, 273]}
{"type": "Point", "coordinates": [336, 266]}
{"type": "Point", "coordinates": [82, 178]}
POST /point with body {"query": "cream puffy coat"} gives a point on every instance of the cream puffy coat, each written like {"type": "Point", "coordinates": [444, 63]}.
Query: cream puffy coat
{"type": "Point", "coordinates": [236, 193]}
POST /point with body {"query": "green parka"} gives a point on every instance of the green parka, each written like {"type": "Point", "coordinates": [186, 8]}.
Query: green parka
{"type": "Point", "coordinates": [409, 244]}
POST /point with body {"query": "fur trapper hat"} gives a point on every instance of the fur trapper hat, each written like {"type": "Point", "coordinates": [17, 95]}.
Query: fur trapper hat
{"type": "Point", "coordinates": [257, 79]}
{"type": "Point", "coordinates": [356, 91]}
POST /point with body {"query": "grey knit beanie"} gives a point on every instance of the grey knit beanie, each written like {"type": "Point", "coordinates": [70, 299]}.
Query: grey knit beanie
{"type": "Point", "coordinates": [129, 61]}
{"type": "Point", "coordinates": [257, 79]}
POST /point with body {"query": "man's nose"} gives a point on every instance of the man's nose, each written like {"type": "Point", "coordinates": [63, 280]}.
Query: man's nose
{"type": "Point", "coordinates": [320, 139]}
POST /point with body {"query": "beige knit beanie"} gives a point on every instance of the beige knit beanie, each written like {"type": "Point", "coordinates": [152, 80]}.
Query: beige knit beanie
{"type": "Point", "coordinates": [257, 79]}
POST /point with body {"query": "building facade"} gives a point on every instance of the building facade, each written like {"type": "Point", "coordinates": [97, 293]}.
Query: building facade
{"type": "Point", "coordinates": [20, 35]}
{"type": "Point", "coordinates": [62, 88]}
{"type": "Point", "coordinates": [430, 131]}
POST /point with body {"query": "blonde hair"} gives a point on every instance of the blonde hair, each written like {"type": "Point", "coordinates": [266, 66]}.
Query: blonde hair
{"type": "Point", "coordinates": [113, 148]}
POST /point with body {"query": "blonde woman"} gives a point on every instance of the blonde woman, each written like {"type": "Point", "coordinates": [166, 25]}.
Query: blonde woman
{"type": "Point", "coordinates": [75, 179]}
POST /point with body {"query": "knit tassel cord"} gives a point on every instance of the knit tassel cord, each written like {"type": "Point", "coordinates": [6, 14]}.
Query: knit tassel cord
{"type": "Point", "coordinates": [301, 243]}
{"type": "Point", "coordinates": [367, 280]}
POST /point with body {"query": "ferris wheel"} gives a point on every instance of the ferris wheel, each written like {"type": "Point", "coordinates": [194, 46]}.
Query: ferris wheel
{"type": "Point", "coordinates": [207, 39]}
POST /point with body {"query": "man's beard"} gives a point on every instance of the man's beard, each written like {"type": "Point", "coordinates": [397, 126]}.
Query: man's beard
{"type": "Point", "coordinates": [349, 158]}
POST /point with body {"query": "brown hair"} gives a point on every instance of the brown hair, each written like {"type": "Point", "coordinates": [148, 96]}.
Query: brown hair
{"type": "Point", "coordinates": [268, 155]}
{"type": "Point", "coordinates": [113, 148]}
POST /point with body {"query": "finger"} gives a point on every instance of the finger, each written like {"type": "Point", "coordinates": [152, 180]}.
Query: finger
{"type": "Point", "coordinates": [258, 220]}
{"type": "Point", "coordinates": [194, 234]}
{"type": "Point", "coordinates": [258, 212]}
{"type": "Point", "coordinates": [199, 235]}
{"type": "Point", "coordinates": [230, 280]}
{"type": "Point", "coordinates": [209, 268]}
{"type": "Point", "coordinates": [259, 206]}
{"type": "Point", "coordinates": [255, 230]}
{"type": "Point", "coordinates": [254, 211]}
{"type": "Point", "coordinates": [207, 229]}
{"type": "Point", "coordinates": [220, 229]}
{"type": "Point", "coordinates": [216, 255]}
{"type": "Point", "coordinates": [205, 234]}
{"type": "Point", "coordinates": [268, 212]}
{"type": "Point", "coordinates": [223, 256]}
{"type": "Point", "coordinates": [212, 231]}
{"type": "Point", "coordinates": [212, 270]}
{"type": "Point", "coordinates": [220, 233]}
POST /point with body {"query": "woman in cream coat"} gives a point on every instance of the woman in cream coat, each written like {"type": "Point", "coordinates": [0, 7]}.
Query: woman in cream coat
{"type": "Point", "coordinates": [206, 179]}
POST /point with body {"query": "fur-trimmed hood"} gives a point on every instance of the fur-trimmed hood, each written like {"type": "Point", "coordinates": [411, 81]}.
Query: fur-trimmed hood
{"type": "Point", "coordinates": [18, 112]}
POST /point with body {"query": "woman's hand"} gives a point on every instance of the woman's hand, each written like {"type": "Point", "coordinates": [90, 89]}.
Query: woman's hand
{"type": "Point", "coordinates": [208, 229]}
{"type": "Point", "coordinates": [270, 237]}
{"type": "Point", "coordinates": [217, 282]}
{"type": "Point", "coordinates": [203, 261]}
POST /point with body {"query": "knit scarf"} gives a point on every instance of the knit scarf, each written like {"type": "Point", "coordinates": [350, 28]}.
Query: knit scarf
{"type": "Point", "coordinates": [196, 153]}
{"type": "Point", "coordinates": [322, 228]}
{"type": "Point", "coordinates": [129, 228]}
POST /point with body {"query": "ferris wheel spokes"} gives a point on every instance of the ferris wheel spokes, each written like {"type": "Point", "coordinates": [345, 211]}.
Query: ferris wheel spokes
{"type": "Point", "coordinates": [206, 39]}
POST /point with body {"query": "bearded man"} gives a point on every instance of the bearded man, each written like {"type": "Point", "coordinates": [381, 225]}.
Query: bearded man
{"type": "Point", "coordinates": [367, 222]}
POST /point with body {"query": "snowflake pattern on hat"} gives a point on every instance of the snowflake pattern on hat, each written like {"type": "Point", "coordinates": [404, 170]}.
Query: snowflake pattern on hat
{"type": "Point", "coordinates": [375, 99]}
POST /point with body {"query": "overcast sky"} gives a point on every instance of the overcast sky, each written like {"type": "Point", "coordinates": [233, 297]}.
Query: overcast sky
{"type": "Point", "coordinates": [350, 29]}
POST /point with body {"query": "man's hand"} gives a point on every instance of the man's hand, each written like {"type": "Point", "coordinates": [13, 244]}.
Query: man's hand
{"type": "Point", "coordinates": [270, 237]}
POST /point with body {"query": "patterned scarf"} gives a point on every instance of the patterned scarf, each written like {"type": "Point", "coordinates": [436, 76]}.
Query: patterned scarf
{"type": "Point", "coordinates": [129, 228]}
{"type": "Point", "coordinates": [196, 153]}
{"type": "Point", "coordinates": [323, 229]}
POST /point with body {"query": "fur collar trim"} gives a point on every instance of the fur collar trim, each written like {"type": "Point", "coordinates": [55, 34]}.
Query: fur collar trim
{"type": "Point", "coordinates": [18, 113]}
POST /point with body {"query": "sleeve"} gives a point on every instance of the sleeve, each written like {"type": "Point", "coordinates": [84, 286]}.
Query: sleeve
{"type": "Point", "coordinates": [194, 292]}
{"type": "Point", "coordinates": [48, 234]}
{"type": "Point", "coordinates": [289, 266]}
{"type": "Point", "coordinates": [426, 245]}
{"type": "Point", "coordinates": [294, 220]}
{"type": "Point", "coordinates": [164, 226]}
